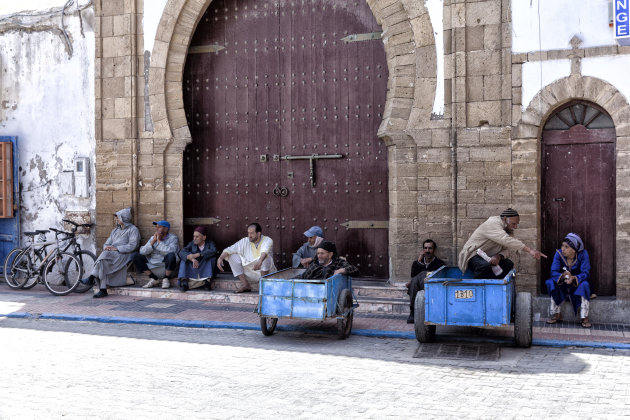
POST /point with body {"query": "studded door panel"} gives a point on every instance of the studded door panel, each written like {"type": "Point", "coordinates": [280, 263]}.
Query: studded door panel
{"type": "Point", "coordinates": [267, 85]}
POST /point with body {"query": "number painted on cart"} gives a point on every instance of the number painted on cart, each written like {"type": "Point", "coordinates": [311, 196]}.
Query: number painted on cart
{"type": "Point", "coordinates": [464, 294]}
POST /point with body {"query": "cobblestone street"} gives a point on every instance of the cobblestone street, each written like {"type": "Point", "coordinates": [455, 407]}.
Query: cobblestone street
{"type": "Point", "coordinates": [55, 369]}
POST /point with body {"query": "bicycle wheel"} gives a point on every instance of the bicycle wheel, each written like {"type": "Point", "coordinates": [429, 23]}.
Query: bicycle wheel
{"type": "Point", "coordinates": [87, 260]}
{"type": "Point", "coordinates": [16, 266]}
{"type": "Point", "coordinates": [62, 274]}
{"type": "Point", "coordinates": [36, 261]}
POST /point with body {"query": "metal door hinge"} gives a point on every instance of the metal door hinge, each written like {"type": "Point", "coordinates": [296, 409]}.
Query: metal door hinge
{"type": "Point", "coordinates": [363, 37]}
{"type": "Point", "coordinates": [200, 49]}
{"type": "Point", "coordinates": [201, 221]}
{"type": "Point", "coordinates": [366, 224]}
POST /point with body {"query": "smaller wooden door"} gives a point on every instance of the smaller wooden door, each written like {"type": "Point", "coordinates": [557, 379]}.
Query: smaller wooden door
{"type": "Point", "coordinates": [578, 189]}
{"type": "Point", "coordinates": [9, 216]}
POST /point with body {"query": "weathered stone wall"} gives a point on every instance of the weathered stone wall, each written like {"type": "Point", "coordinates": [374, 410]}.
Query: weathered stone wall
{"type": "Point", "coordinates": [447, 172]}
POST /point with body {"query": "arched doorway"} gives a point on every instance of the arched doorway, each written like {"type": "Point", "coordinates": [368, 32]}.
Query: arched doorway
{"type": "Point", "coordinates": [578, 188]}
{"type": "Point", "coordinates": [283, 100]}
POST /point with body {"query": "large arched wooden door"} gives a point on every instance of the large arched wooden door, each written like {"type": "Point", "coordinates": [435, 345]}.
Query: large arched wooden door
{"type": "Point", "coordinates": [578, 188]}
{"type": "Point", "coordinates": [284, 100]}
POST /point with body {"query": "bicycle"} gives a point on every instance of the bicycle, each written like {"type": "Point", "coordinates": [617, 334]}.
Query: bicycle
{"type": "Point", "coordinates": [61, 271]}
{"type": "Point", "coordinates": [86, 258]}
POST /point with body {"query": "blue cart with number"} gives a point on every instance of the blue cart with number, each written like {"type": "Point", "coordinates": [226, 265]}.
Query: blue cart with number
{"type": "Point", "coordinates": [455, 299]}
{"type": "Point", "coordinates": [281, 295]}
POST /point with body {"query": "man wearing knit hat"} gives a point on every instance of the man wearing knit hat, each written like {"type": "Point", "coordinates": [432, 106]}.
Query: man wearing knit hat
{"type": "Point", "coordinates": [484, 252]}
{"type": "Point", "coordinates": [328, 264]}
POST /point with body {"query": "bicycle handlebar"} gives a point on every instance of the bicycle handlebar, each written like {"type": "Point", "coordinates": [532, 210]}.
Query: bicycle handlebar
{"type": "Point", "coordinates": [77, 225]}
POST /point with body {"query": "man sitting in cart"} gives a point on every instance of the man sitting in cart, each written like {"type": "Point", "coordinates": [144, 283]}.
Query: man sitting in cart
{"type": "Point", "coordinates": [328, 264]}
{"type": "Point", "coordinates": [308, 252]}
{"type": "Point", "coordinates": [426, 262]}
{"type": "Point", "coordinates": [486, 248]}
{"type": "Point", "coordinates": [250, 258]}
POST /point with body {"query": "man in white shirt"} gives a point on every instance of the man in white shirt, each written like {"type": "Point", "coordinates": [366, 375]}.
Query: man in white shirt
{"type": "Point", "coordinates": [250, 258]}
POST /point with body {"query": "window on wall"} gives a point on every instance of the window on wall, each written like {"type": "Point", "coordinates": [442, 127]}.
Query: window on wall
{"type": "Point", "coordinates": [6, 179]}
{"type": "Point", "coordinates": [579, 113]}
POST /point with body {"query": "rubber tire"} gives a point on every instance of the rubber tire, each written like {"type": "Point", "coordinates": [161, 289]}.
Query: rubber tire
{"type": "Point", "coordinates": [12, 256]}
{"type": "Point", "coordinates": [69, 262]}
{"type": "Point", "coordinates": [523, 319]}
{"type": "Point", "coordinates": [268, 325]}
{"type": "Point", "coordinates": [424, 333]}
{"type": "Point", "coordinates": [82, 288]}
{"type": "Point", "coordinates": [344, 325]}
{"type": "Point", "coordinates": [37, 278]}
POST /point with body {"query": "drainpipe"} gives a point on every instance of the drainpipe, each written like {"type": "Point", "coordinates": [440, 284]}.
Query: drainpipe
{"type": "Point", "coordinates": [133, 105]}
{"type": "Point", "coordinates": [453, 146]}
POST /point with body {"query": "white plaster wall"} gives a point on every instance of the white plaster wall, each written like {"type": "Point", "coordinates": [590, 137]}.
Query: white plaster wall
{"type": "Point", "coordinates": [50, 106]}
{"type": "Point", "coordinates": [614, 70]}
{"type": "Point", "coordinates": [152, 14]}
{"type": "Point", "coordinates": [436, 15]}
{"type": "Point", "coordinates": [541, 25]}
{"type": "Point", "coordinates": [538, 74]}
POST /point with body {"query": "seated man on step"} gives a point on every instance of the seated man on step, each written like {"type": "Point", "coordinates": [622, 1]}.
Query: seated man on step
{"type": "Point", "coordinates": [328, 264]}
{"type": "Point", "coordinates": [250, 258]}
{"type": "Point", "coordinates": [158, 257]}
{"type": "Point", "coordinates": [426, 262]}
{"type": "Point", "coordinates": [110, 268]}
{"type": "Point", "coordinates": [198, 259]}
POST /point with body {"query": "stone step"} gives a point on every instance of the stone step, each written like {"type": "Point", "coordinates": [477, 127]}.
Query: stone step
{"type": "Point", "coordinates": [362, 288]}
{"type": "Point", "coordinates": [373, 297]}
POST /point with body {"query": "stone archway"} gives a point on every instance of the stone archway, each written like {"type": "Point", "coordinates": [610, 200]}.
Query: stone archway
{"type": "Point", "coordinates": [409, 98]}
{"type": "Point", "coordinates": [526, 157]}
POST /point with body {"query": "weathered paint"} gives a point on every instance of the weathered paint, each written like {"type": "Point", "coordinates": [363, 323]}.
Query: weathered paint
{"type": "Point", "coordinates": [47, 99]}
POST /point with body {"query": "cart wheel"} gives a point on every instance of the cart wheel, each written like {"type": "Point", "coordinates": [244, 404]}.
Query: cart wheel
{"type": "Point", "coordinates": [523, 319]}
{"type": "Point", "coordinates": [344, 325]}
{"type": "Point", "coordinates": [424, 333]}
{"type": "Point", "coordinates": [268, 325]}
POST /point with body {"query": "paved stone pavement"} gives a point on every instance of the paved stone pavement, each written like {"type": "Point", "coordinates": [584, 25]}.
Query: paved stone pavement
{"type": "Point", "coordinates": [55, 369]}
{"type": "Point", "coordinates": [38, 302]}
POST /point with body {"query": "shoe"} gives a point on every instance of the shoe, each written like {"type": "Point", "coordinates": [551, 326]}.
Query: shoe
{"type": "Point", "coordinates": [207, 285]}
{"type": "Point", "coordinates": [165, 283]}
{"type": "Point", "coordinates": [151, 283]}
{"type": "Point", "coordinates": [586, 323]}
{"type": "Point", "coordinates": [101, 294]}
{"type": "Point", "coordinates": [410, 318]}
{"type": "Point", "coordinates": [555, 318]}
{"type": "Point", "coordinates": [183, 285]}
{"type": "Point", "coordinates": [87, 280]}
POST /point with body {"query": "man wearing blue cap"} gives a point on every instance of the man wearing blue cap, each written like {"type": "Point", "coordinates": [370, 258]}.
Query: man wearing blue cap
{"type": "Point", "coordinates": [308, 252]}
{"type": "Point", "coordinates": [158, 257]}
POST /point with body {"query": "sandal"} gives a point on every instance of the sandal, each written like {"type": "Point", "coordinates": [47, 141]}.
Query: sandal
{"type": "Point", "coordinates": [586, 323]}
{"type": "Point", "coordinates": [555, 318]}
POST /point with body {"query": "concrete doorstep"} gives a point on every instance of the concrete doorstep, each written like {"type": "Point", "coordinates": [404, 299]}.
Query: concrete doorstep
{"type": "Point", "coordinates": [373, 297]}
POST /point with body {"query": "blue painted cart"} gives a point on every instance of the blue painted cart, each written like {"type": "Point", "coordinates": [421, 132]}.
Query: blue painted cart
{"type": "Point", "coordinates": [455, 299]}
{"type": "Point", "coordinates": [281, 295]}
